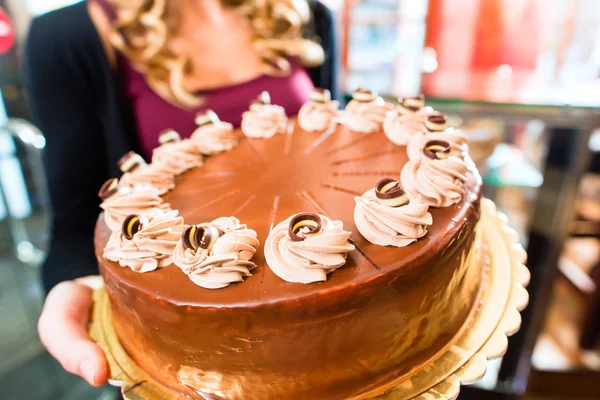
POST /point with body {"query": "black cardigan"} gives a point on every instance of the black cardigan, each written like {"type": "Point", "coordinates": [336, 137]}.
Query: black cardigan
{"type": "Point", "coordinates": [88, 125]}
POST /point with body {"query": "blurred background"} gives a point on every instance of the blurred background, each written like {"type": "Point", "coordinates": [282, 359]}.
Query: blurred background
{"type": "Point", "coordinates": [522, 78]}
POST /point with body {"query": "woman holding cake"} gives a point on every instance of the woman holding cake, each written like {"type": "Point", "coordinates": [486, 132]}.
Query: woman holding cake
{"type": "Point", "coordinates": [109, 76]}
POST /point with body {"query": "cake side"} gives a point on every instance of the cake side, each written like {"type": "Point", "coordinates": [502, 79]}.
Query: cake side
{"type": "Point", "coordinates": [330, 346]}
{"type": "Point", "coordinates": [374, 319]}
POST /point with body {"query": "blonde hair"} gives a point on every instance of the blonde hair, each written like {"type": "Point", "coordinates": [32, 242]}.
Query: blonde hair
{"type": "Point", "coordinates": [142, 29]}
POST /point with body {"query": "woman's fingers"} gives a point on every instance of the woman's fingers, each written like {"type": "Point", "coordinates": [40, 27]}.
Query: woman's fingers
{"type": "Point", "coordinates": [63, 330]}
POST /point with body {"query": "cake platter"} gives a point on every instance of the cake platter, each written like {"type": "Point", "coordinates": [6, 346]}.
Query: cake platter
{"type": "Point", "coordinates": [504, 295]}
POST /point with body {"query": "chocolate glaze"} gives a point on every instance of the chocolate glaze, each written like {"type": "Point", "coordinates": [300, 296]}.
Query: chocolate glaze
{"type": "Point", "coordinates": [373, 321]}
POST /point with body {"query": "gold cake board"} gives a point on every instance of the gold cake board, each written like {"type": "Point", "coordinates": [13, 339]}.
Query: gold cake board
{"type": "Point", "coordinates": [504, 295]}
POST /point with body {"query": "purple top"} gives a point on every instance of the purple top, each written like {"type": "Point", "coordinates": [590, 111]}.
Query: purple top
{"type": "Point", "coordinates": [153, 114]}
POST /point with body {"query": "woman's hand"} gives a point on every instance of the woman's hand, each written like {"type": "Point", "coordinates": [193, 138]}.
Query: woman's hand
{"type": "Point", "coordinates": [63, 329]}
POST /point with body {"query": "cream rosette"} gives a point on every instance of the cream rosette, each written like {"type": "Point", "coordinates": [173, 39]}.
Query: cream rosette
{"type": "Point", "coordinates": [175, 154]}
{"type": "Point", "coordinates": [406, 121]}
{"type": "Point", "coordinates": [216, 254]}
{"type": "Point", "coordinates": [386, 217]}
{"type": "Point", "coordinates": [459, 142]}
{"type": "Point", "coordinates": [159, 177]}
{"type": "Point", "coordinates": [436, 176]}
{"type": "Point", "coordinates": [366, 117]}
{"type": "Point", "coordinates": [145, 244]}
{"type": "Point", "coordinates": [263, 119]}
{"type": "Point", "coordinates": [137, 173]}
{"type": "Point", "coordinates": [319, 113]}
{"type": "Point", "coordinates": [213, 135]}
{"type": "Point", "coordinates": [305, 248]}
{"type": "Point", "coordinates": [120, 201]}
{"type": "Point", "coordinates": [366, 112]}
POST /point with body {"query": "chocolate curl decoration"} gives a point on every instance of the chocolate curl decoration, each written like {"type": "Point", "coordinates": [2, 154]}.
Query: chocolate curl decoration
{"type": "Point", "coordinates": [412, 103]}
{"type": "Point", "coordinates": [132, 224]}
{"type": "Point", "coordinates": [130, 162]}
{"type": "Point", "coordinates": [169, 136]}
{"type": "Point", "coordinates": [209, 117]}
{"type": "Point", "coordinates": [363, 95]}
{"type": "Point", "coordinates": [320, 95]}
{"type": "Point", "coordinates": [437, 149]}
{"type": "Point", "coordinates": [200, 237]}
{"type": "Point", "coordinates": [304, 225]}
{"type": "Point", "coordinates": [389, 192]}
{"type": "Point", "coordinates": [109, 189]}
{"type": "Point", "coordinates": [436, 123]}
{"type": "Point", "coordinates": [264, 98]}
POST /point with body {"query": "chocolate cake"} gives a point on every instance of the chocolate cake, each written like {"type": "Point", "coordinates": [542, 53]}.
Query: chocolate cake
{"type": "Point", "coordinates": [392, 306]}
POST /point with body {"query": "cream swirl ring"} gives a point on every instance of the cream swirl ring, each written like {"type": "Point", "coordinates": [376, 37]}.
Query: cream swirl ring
{"type": "Point", "coordinates": [264, 121]}
{"type": "Point", "coordinates": [366, 117]}
{"type": "Point", "coordinates": [145, 244]}
{"type": "Point", "coordinates": [457, 139]}
{"type": "Point", "coordinates": [390, 226]}
{"type": "Point", "coordinates": [125, 201]}
{"type": "Point", "coordinates": [212, 135]}
{"type": "Point", "coordinates": [439, 181]}
{"type": "Point", "coordinates": [311, 259]}
{"type": "Point", "coordinates": [216, 254]}
{"type": "Point", "coordinates": [176, 155]}
{"type": "Point", "coordinates": [159, 176]}
{"type": "Point", "coordinates": [401, 124]}
{"type": "Point", "coordinates": [319, 113]}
